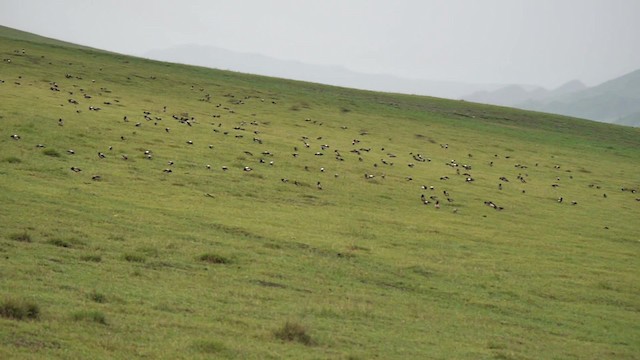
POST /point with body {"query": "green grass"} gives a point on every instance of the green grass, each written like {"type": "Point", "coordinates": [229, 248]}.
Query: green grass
{"type": "Point", "coordinates": [90, 316]}
{"type": "Point", "coordinates": [200, 262]}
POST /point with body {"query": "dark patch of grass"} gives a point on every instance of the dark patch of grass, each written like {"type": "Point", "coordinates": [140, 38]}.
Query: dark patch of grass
{"type": "Point", "coordinates": [269, 284]}
{"type": "Point", "coordinates": [51, 152]}
{"type": "Point", "coordinates": [495, 346]}
{"type": "Point", "coordinates": [92, 258]}
{"type": "Point", "coordinates": [23, 237]}
{"type": "Point", "coordinates": [256, 175]}
{"type": "Point", "coordinates": [135, 258]}
{"type": "Point", "coordinates": [357, 248]}
{"type": "Point", "coordinates": [293, 331]}
{"type": "Point", "coordinates": [60, 243]}
{"type": "Point", "coordinates": [208, 346]}
{"type": "Point", "coordinates": [90, 315]}
{"type": "Point", "coordinates": [426, 138]}
{"type": "Point", "coordinates": [12, 160]}
{"type": "Point", "coordinates": [273, 245]}
{"type": "Point", "coordinates": [421, 270]}
{"type": "Point", "coordinates": [237, 231]}
{"type": "Point", "coordinates": [503, 356]}
{"type": "Point", "coordinates": [346, 255]}
{"type": "Point", "coordinates": [95, 296]}
{"type": "Point", "coordinates": [300, 106]}
{"type": "Point", "coordinates": [34, 344]}
{"type": "Point", "coordinates": [19, 309]}
{"type": "Point", "coordinates": [215, 259]}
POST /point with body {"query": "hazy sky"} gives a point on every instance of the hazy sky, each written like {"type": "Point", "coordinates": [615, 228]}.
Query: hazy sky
{"type": "Point", "coordinates": [544, 42]}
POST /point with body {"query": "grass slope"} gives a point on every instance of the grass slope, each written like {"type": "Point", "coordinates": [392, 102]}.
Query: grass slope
{"type": "Point", "coordinates": [201, 262]}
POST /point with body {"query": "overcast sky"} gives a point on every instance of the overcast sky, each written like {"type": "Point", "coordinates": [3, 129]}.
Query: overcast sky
{"type": "Point", "coordinates": [543, 42]}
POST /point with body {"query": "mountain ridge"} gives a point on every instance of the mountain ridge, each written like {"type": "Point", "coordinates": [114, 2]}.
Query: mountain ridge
{"type": "Point", "coordinates": [613, 101]}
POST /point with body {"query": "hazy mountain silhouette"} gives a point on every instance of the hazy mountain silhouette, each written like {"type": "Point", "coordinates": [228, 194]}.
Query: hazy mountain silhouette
{"type": "Point", "coordinates": [614, 101]}
{"type": "Point", "coordinates": [213, 57]}
{"type": "Point", "coordinates": [507, 96]}
{"type": "Point", "coordinates": [516, 95]}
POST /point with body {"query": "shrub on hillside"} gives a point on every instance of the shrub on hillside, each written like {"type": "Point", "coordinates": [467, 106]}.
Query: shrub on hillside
{"type": "Point", "coordinates": [90, 315]}
{"type": "Point", "coordinates": [19, 310]}
{"type": "Point", "coordinates": [215, 259]}
{"type": "Point", "coordinates": [12, 160]}
{"type": "Point", "coordinates": [135, 258]}
{"type": "Point", "coordinates": [60, 243]}
{"type": "Point", "coordinates": [97, 297]}
{"type": "Point", "coordinates": [23, 236]}
{"type": "Point", "coordinates": [292, 331]}
{"type": "Point", "coordinates": [92, 258]}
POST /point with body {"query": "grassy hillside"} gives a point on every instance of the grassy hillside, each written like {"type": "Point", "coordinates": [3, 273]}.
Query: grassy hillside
{"type": "Point", "coordinates": [153, 210]}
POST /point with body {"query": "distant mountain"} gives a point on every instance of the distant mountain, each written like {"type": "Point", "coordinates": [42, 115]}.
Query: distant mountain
{"type": "Point", "coordinates": [213, 57]}
{"type": "Point", "coordinates": [615, 101]}
{"type": "Point", "coordinates": [507, 96]}
{"type": "Point", "coordinates": [570, 87]}
{"type": "Point", "coordinates": [516, 95]}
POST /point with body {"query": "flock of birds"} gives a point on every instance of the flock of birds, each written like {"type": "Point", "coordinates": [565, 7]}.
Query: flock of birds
{"type": "Point", "coordinates": [386, 164]}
